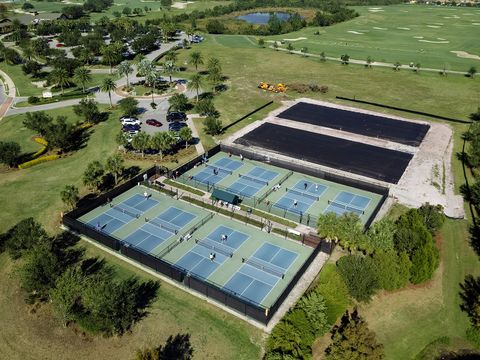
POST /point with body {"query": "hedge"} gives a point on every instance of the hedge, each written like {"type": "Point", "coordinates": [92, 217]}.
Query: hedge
{"type": "Point", "coordinates": [40, 140]}
{"type": "Point", "coordinates": [38, 161]}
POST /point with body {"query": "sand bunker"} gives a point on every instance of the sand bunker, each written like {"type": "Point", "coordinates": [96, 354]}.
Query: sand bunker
{"type": "Point", "coordinates": [403, 28]}
{"type": "Point", "coordinates": [442, 39]}
{"type": "Point", "coordinates": [435, 42]}
{"type": "Point", "coordinates": [379, 28]}
{"type": "Point", "coordinates": [475, 23]}
{"type": "Point", "coordinates": [181, 5]}
{"type": "Point", "coordinates": [374, 8]}
{"type": "Point", "coordinates": [466, 55]}
{"type": "Point", "coordinates": [354, 32]}
{"type": "Point", "coordinates": [433, 26]}
{"type": "Point", "coordinates": [296, 39]}
{"type": "Point", "coordinates": [418, 37]}
{"type": "Point", "coordinates": [374, 11]}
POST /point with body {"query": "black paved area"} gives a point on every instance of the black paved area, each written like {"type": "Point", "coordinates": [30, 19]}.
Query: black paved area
{"type": "Point", "coordinates": [367, 160]}
{"type": "Point", "coordinates": [402, 132]}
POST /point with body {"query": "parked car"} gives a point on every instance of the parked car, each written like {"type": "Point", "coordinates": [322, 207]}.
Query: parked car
{"type": "Point", "coordinates": [60, 45]}
{"type": "Point", "coordinates": [180, 81]}
{"type": "Point", "coordinates": [153, 122]}
{"type": "Point", "coordinates": [127, 117]}
{"type": "Point", "coordinates": [127, 128]}
{"type": "Point", "coordinates": [176, 116]}
{"type": "Point", "coordinates": [176, 126]}
{"type": "Point", "coordinates": [131, 121]}
{"type": "Point", "coordinates": [131, 134]}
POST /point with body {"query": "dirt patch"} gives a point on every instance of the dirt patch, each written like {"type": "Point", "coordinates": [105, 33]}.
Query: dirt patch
{"type": "Point", "coordinates": [354, 32]}
{"type": "Point", "coordinates": [435, 41]}
{"type": "Point", "coordinates": [466, 55]}
{"type": "Point", "coordinates": [296, 39]}
{"type": "Point", "coordinates": [403, 28]}
{"type": "Point", "coordinates": [181, 5]}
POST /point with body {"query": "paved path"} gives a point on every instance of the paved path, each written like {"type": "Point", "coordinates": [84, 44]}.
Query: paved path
{"type": "Point", "coordinates": [374, 64]}
{"type": "Point", "coordinates": [198, 145]}
{"type": "Point", "coordinates": [8, 85]}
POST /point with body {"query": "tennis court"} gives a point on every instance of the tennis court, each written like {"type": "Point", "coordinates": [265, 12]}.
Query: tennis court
{"type": "Point", "coordinates": [215, 172]}
{"type": "Point", "coordinates": [159, 229]}
{"type": "Point", "coordinates": [301, 196]}
{"type": "Point", "coordinates": [251, 183]}
{"type": "Point", "coordinates": [251, 264]}
{"type": "Point", "coordinates": [348, 202]}
{"type": "Point", "coordinates": [120, 214]}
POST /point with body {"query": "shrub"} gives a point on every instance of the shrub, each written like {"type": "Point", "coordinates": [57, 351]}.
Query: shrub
{"type": "Point", "coordinates": [335, 292]}
{"type": "Point", "coordinates": [33, 99]}
{"type": "Point", "coordinates": [38, 161]}
{"type": "Point", "coordinates": [298, 87]}
{"type": "Point", "coordinates": [40, 140]}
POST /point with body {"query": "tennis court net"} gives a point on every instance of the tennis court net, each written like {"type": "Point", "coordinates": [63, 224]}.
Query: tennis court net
{"type": "Point", "coordinates": [215, 167]}
{"type": "Point", "coordinates": [159, 224]}
{"type": "Point", "coordinates": [302, 193]}
{"type": "Point", "coordinates": [347, 207]}
{"type": "Point", "coordinates": [254, 179]}
{"type": "Point", "coordinates": [125, 211]}
{"type": "Point", "coordinates": [268, 269]}
{"type": "Point", "coordinates": [214, 246]}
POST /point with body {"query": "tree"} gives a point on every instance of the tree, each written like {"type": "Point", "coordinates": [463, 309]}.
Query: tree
{"type": "Point", "coordinates": [261, 43]}
{"type": "Point", "coordinates": [177, 347]}
{"type": "Point", "coordinates": [304, 51]}
{"type": "Point", "coordinates": [353, 340]}
{"type": "Point", "coordinates": [196, 84]}
{"type": "Point", "coordinates": [151, 79]}
{"type": "Point", "coordinates": [392, 269]}
{"type": "Point", "coordinates": [69, 196]}
{"type": "Point", "coordinates": [108, 86]}
{"type": "Point", "coordinates": [397, 66]}
{"type": "Point", "coordinates": [313, 304]}
{"type": "Point", "coordinates": [470, 296]}
{"type": "Point", "coordinates": [93, 175]}
{"type": "Point", "coordinates": [31, 67]}
{"type": "Point", "coordinates": [323, 57]}
{"type": "Point", "coordinates": [432, 216]}
{"type": "Point", "coordinates": [125, 69]}
{"type": "Point", "coordinates": [345, 58]}
{"type": "Point", "coordinates": [112, 54]}
{"type": "Point", "coordinates": [166, 3]}
{"type": "Point", "coordinates": [115, 166]}
{"type": "Point", "coordinates": [196, 59]}
{"type": "Point", "coordinates": [171, 56]}
{"type": "Point", "coordinates": [169, 68]}
{"type": "Point", "coordinates": [162, 141]}
{"type": "Point", "coordinates": [369, 61]}
{"type": "Point", "coordinates": [346, 229]}
{"type": "Point", "coordinates": [380, 236]}
{"type": "Point", "coordinates": [213, 125]}
{"type": "Point", "coordinates": [185, 134]}
{"type": "Point", "coordinates": [66, 294]}
{"type": "Point", "coordinates": [425, 261]}
{"type": "Point", "coordinates": [88, 109]}
{"type": "Point", "coordinates": [145, 67]}
{"type": "Point", "coordinates": [359, 275]}
{"type": "Point", "coordinates": [126, 11]}
{"type": "Point", "coordinates": [129, 106]}
{"type": "Point", "coordinates": [122, 139]}
{"type": "Point", "coordinates": [215, 77]}
{"type": "Point", "coordinates": [137, 11]}
{"type": "Point", "coordinates": [141, 142]}
{"type": "Point", "coordinates": [23, 236]}
{"type": "Point", "coordinates": [290, 47]}
{"type": "Point", "coordinates": [214, 26]}
{"type": "Point", "coordinates": [9, 153]}
{"type": "Point", "coordinates": [214, 64]}
{"type": "Point", "coordinates": [60, 77]}
{"type": "Point", "coordinates": [417, 67]}
{"type": "Point", "coordinates": [411, 232]}
{"type": "Point", "coordinates": [178, 102]}
{"type": "Point", "coordinates": [38, 121]}
{"type": "Point", "coordinates": [205, 107]}
{"type": "Point", "coordinates": [472, 71]}
{"type": "Point", "coordinates": [27, 6]}
{"type": "Point", "coordinates": [82, 75]}
{"type": "Point", "coordinates": [285, 339]}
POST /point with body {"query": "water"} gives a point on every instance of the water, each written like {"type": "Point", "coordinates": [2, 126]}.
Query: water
{"type": "Point", "coordinates": [261, 18]}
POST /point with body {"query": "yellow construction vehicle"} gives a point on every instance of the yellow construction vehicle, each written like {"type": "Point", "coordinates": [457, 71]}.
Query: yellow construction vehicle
{"type": "Point", "coordinates": [271, 87]}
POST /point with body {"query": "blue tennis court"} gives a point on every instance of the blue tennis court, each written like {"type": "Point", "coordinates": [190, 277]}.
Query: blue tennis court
{"type": "Point", "coordinates": [348, 202]}
{"type": "Point", "coordinates": [217, 171]}
{"type": "Point", "coordinates": [261, 272]}
{"type": "Point", "coordinates": [301, 197]}
{"type": "Point", "coordinates": [251, 183]}
{"type": "Point", "coordinates": [118, 215]}
{"type": "Point", "coordinates": [157, 230]}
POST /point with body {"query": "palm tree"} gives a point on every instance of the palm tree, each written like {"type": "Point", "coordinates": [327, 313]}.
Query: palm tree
{"type": "Point", "coordinates": [124, 69]}
{"type": "Point", "coordinates": [111, 55]}
{"type": "Point", "coordinates": [196, 83]}
{"type": "Point", "coordinates": [82, 75]}
{"type": "Point", "coordinates": [144, 67]}
{"type": "Point", "coordinates": [108, 86]}
{"type": "Point", "coordinates": [185, 134]}
{"type": "Point", "coordinates": [115, 166]}
{"type": "Point", "coordinates": [214, 76]}
{"type": "Point", "coordinates": [369, 61]}
{"type": "Point", "coordinates": [141, 141]}
{"type": "Point", "coordinates": [171, 56]}
{"type": "Point", "coordinates": [151, 79]}
{"type": "Point", "coordinates": [60, 77]}
{"type": "Point", "coordinates": [162, 141]}
{"type": "Point", "coordinates": [169, 68]}
{"type": "Point", "coordinates": [28, 53]}
{"type": "Point", "coordinates": [214, 63]}
{"type": "Point", "coordinates": [196, 59]}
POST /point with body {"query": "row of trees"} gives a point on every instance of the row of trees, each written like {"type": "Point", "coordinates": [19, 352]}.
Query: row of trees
{"type": "Point", "coordinates": [53, 269]}
{"type": "Point", "coordinates": [390, 254]}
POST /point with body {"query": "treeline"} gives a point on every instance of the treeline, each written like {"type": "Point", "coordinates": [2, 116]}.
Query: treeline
{"type": "Point", "coordinates": [83, 290]}
{"type": "Point", "coordinates": [327, 13]}
{"type": "Point", "coordinates": [390, 254]}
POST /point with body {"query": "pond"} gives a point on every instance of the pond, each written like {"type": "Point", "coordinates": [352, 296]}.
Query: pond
{"type": "Point", "coordinates": [261, 18]}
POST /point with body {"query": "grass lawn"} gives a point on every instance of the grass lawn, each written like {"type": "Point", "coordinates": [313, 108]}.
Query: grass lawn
{"type": "Point", "coordinates": [404, 33]}
{"type": "Point", "coordinates": [23, 83]}
{"type": "Point", "coordinates": [37, 335]}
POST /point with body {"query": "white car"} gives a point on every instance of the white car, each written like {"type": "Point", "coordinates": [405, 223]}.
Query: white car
{"type": "Point", "coordinates": [130, 121]}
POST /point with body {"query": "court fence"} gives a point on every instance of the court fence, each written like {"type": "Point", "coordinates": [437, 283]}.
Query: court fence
{"type": "Point", "coordinates": [159, 264]}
